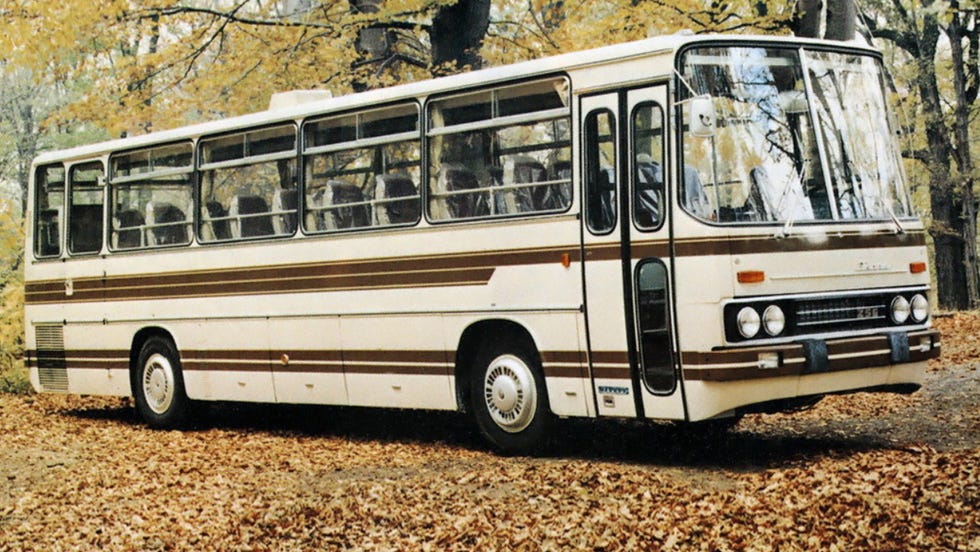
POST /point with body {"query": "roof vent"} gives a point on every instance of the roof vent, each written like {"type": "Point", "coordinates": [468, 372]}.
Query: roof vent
{"type": "Point", "coordinates": [291, 98]}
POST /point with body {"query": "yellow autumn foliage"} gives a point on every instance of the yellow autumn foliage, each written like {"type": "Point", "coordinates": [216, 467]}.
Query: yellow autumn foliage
{"type": "Point", "coordinates": [13, 376]}
{"type": "Point", "coordinates": [155, 64]}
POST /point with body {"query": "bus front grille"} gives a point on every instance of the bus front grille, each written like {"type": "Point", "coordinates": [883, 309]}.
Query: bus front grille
{"type": "Point", "coordinates": [833, 313]}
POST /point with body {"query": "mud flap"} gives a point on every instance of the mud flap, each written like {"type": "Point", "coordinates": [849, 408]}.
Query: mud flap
{"type": "Point", "coordinates": [815, 352]}
{"type": "Point", "coordinates": [898, 342]}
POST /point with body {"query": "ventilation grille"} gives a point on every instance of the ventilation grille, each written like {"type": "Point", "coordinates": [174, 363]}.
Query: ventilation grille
{"type": "Point", "coordinates": [867, 311]}
{"type": "Point", "coordinates": [52, 369]}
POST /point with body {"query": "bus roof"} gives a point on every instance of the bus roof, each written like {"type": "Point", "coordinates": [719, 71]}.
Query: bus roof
{"type": "Point", "coordinates": [562, 62]}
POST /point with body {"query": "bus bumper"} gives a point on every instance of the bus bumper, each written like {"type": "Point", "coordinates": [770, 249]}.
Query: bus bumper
{"type": "Point", "coordinates": [725, 380]}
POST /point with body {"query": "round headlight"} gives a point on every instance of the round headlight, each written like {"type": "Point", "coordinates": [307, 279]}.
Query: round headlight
{"type": "Point", "coordinates": [748, 322]}
{"type": "Point", "coordinates": [920, 308]}
{"type": "Point", "coordinates": [773, 320]}
{"type": "Point", "coordinates": [900, 309]}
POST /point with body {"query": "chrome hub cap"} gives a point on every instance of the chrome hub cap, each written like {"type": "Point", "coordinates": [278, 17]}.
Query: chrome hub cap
{"type": "Point", "coordinates": [158, 383]}
{"type": "Point", "coordinates": [509, 393]}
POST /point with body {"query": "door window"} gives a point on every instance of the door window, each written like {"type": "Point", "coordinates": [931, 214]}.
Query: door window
{"type": "Point", "coordinates": [600, 171]}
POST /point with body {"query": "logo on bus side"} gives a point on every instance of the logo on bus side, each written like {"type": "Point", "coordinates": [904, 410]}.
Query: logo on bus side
{"type": "Point", "coordinates": [610, 390]}
{"type": "Point", "coordinates": [865, 266]}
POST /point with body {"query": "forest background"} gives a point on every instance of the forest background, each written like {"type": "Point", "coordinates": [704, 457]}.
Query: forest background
{"type": "Point", "coordinates": [75, 71]}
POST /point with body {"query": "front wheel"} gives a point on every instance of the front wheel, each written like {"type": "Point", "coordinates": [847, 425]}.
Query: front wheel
{"type": "Point", "coordinates": [509, 399]}
{"type": "Point", "coordinates": [159, 385]}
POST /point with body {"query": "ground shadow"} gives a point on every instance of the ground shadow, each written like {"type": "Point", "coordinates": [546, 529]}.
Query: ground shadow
{"type": "Point", "coordinates": [598, 440]}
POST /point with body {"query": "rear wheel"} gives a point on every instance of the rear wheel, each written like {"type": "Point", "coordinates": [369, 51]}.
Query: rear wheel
{"type": "Point", "coordinates": [159, 385]}
{"type": "Point", "coordinates": [509, 398]}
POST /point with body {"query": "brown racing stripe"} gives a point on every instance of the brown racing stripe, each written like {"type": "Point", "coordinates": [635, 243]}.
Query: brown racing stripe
{"type": "Point", "coordinates": [421, 271]}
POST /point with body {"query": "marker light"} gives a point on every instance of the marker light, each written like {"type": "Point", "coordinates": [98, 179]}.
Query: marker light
{"type": "Point", "coordinates": [773, 320]}
{"type": "Point", "coordinates": [917, 268]}
{"type": "Point", "coordinates": [748, 322]}
{"type": "Point", "coordinates": [919, 308]}
{"type": "Point", "coordinates": [900, 309]}
{"type": "Point", "coordinates": [751, 276]}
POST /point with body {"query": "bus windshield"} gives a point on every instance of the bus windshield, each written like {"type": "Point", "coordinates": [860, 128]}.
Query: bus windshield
{"type": "Point", "coordinates": [798, 135]}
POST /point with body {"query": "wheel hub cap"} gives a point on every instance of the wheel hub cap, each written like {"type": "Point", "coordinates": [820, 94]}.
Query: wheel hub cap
{"type": "Point", "coordinates": [505, 393]}
{"type": "Point", "coordinates": [509, 392]}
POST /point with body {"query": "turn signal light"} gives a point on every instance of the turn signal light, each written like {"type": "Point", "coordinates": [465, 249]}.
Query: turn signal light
{"type": "Point", "coordinates": [751, 276]}
{"type": "Point", "coordinates": [917, 268]}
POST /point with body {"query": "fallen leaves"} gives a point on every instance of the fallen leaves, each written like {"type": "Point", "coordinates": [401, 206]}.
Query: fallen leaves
{"type": "Point", "coordinates": [860, 472]}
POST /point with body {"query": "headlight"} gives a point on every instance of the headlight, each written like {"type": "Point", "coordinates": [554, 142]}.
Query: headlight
{"type": "Point", "coordinates": [748, 322]}
{"type": "Point", "coordinates": [920, 308]}
{"type": "Point", "coordinates": [900, 310]}
{"type": "Point", "coordinates": [773, 320]}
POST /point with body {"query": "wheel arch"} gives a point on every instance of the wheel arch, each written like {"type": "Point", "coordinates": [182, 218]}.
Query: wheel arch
{"type": "Point", "coordinates": [470, 341]}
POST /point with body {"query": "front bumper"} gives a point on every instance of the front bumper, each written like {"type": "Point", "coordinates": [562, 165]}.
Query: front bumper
{"type": "Point", "coordinates": [811, 356]}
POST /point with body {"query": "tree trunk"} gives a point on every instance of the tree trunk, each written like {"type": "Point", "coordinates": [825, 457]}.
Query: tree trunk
{"type": "Point", "coordinates": [457, 34]}
{"type": "Point", "coordinates": [963, 191]}
{"type": "Point", "coordinates": [841, 20]}
{"type": "Point", "coordinates": [806, 20]}
{"type": "Point", "coordinates": [954, 248]}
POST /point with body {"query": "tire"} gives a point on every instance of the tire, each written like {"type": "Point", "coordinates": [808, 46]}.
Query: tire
{"type": "Point", "coordinates": [509, 398]}
{"type": "Point", "coordinates": [158, 385]}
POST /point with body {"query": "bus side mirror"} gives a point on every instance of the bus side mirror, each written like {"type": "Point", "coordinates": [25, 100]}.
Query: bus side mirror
{"type": "Point", "coordinates": [702, 116]}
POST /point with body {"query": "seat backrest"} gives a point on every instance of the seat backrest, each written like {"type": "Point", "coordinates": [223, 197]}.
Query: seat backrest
{"type": "Point", "coordinates": [249, 220]}
{"type": "Point", "coordinates": [649, 191]}
{"type": "Point", "coordinates": [602, 199]}
{"type": "Point", "coordinates": [341, 193]}
{"type": "Point", "coordinates": [388, 187]}
{"type": "Point", "coordinates": [464, 205]}
{"type": "Point", "coordinates": [85, 228]}
{"type": "Point", "coordinates": [127, 229]}
{"type": "Point", "coordinates": [48, 232]}
{"type": "Point", "coordinates": [168, 223]}
{"type": "Point", "coordinates": [216, 222]}
{"type": "Point", "coordinates": [284, 203]}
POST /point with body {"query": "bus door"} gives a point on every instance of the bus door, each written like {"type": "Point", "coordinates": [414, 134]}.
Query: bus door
{"type": "Point", "coordinates": [626, 252]}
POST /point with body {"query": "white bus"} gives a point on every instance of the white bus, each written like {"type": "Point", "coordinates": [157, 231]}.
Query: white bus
{"type": "Point", "coordinates": [682, 228]}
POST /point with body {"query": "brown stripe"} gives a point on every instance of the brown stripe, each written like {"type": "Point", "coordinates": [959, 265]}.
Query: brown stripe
{"type": "Point", "coordinates": [796, 243]}
{"type": "Point", "coordinates": [224, 354]}
{"type": "Point", "coordinates": [305, 368]}
{"type": "Point", "coordinates": [640, 250]}
{"type": "Point", "coordinates": [610, 357]}
{"type": "Point", "coordinates": [733, 374]}
{"type": "Point", "coordinates": [618, 372]}
{"type": "Point", "coordinates": [422, 271]}
{"type": "Point", "coordinates": [739, 356]}
{"type": "Point", "coordinates": [566, 357]}
{"type": "Point", "coordinates": [97, 364]}
{"type": "Point", "coordinates": [410, 356]}
{"type": "Point", "coordinates": [551, 371]}
{"type": "Point", "coordinates": [400, 369]}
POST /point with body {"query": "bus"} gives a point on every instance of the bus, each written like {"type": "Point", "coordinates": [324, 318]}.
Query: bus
{"type": "Point", "coordinates": [683, 228]}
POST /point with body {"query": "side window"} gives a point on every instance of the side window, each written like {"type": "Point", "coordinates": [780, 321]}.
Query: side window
{"type": "Point", "coordinates": [600, 171]}
{"type": "Point", "coordinates": [49, 205]}
{"type": "Point", "coordinates": [500, 152]}
{"type": "Point", "coordinates": [248, 185]}
{"type": "Point", "coordinates": [152, 200]}
{"type": "Point", "coordinates": [362, 169]}
{"type": "Point", "coordinates": [648, 166]}
{"type": "Point", "coordinates": [655, 343]}
{"type": "Point", "coordinates": [87, 196]}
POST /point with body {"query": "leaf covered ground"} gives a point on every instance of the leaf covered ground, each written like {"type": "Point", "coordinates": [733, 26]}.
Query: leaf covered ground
{"type": "Point", "coordinates": [858, 472]}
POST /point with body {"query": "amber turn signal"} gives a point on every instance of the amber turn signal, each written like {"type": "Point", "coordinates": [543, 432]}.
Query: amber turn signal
{"type": "Point", "coordinates": [751, 276]}
{"type": "Point", "coordinates": [917, 268]}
